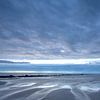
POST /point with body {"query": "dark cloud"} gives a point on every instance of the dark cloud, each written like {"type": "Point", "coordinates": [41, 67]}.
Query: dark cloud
{"type": "Point", "coordinates": [31, 29]}
{"type": "Point", "coordinates": [12, 62]}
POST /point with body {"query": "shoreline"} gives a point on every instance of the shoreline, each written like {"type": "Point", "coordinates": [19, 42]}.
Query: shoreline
{"type": "Point", "coordinates": [16, 75]}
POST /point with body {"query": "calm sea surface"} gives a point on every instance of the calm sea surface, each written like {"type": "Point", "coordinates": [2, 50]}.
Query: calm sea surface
{"type": "Point", "coordinates": [49, 68]}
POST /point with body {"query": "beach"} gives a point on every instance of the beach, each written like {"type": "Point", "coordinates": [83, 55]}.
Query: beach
{"type": "Point", "coordinates": [52, 87]}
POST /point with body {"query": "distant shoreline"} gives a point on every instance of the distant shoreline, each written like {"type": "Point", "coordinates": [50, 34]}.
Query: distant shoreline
{"type": "Point", "coordinates": [17, 75]}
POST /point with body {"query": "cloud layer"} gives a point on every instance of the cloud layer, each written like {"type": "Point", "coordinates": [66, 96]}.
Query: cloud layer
{"type": "Point", "coordinates": [49, 29]}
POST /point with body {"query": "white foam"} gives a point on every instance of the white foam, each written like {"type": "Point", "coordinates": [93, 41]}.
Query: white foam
{"type": "Point", "coordinates": [47, 85]}
{"type": "Point", "coordinates": [24, 85]}
{"type": "Point", "coordinates": [90, 87]}
{"type": "Point", "coordinates": [66, 86]}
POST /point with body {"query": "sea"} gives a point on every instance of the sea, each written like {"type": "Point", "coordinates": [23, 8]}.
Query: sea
{"type": "Point", "coordinates": [38, 68]}
{"type": "Point", "coordinates": [82, 84]}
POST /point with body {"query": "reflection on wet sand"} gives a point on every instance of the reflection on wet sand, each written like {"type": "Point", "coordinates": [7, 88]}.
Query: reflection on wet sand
{"type": "Point", "coordinates": [72, 87]}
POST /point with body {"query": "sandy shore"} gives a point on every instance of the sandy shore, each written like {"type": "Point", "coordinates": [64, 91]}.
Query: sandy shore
{"type": "Point", "coordinates": [67, 87]}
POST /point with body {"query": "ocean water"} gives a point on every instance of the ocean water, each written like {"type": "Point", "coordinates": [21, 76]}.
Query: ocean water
{"type": "Point", "coordinates": [50, 68]}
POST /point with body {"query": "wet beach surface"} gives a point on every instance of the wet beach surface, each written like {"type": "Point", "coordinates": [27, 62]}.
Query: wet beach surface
{"type": "Point", "coordinates": [58, 87]}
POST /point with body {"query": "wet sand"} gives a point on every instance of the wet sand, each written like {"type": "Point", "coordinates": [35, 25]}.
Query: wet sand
{"type": "Point", "coordinates": [58, 87]}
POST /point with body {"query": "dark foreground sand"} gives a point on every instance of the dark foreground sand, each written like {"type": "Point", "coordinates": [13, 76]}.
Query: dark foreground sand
{"type": "Point", "coordinates": [64, 87]}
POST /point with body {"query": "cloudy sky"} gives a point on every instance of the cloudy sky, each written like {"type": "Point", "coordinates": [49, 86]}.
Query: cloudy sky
{"type": "Point", "coordinates": [49, 29]}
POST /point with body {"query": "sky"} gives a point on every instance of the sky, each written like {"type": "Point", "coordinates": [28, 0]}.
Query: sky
{"type": "Point", "coordinates": [49, 29]}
